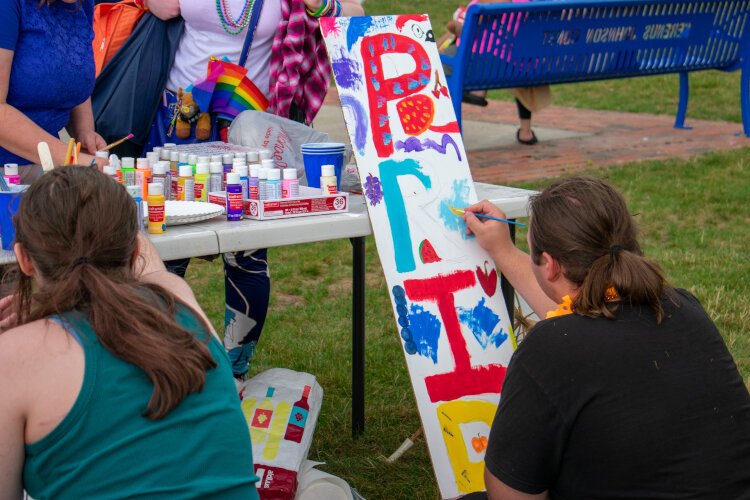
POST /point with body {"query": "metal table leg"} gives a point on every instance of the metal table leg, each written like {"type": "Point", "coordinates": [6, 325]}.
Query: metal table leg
{"type": "Point", "coordinates": [505, 285]}
{"type": "Point", "coordinates": [358, 336]}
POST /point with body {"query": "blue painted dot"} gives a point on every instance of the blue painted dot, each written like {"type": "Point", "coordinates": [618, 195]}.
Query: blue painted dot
{"type": "Point", "coordinates": [403, 321]}
{"type": "Point", "coordinates": [410, 347]}
{"type": "Point", "coordinates": [406, 334]}
{"type": "Point", "coordinates": [401, 309]}
{"type": "Point", "coordinates": [398, 292]}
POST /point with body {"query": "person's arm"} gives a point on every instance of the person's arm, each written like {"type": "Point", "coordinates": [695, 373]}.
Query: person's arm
{"type": "Point", "coordinates": [498, 490]}
{"type": "Point", "coordinates": [150, 269]}
{"type": "Point", "coordinates": [163, 9]}
{"type": "Point", "coordinates": [81, 127]}
{"type": "Point", "coordinates": [19, 134]}
{"type": "Point", "coordinates": [12, 423]}
{"type": "Point", "coordinates": [515, 265]}
{"type": "Point", "coordinates": [349, 8]}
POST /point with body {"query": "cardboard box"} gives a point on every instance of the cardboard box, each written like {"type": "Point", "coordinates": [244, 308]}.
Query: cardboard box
{"type": "Point", "coordinates": [310, 202]}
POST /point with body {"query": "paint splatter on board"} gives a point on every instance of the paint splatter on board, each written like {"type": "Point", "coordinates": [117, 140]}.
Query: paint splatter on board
{"type": "Point", "coordinates": [412, 144]}
{"type": "Point", "coordinates": [482, 322]}
{"type": "Point", "coordinates": [360, 120]}
{"type": "Point", "coordinates": [347, 72]}
{"type": "Point", "coordinates": [459, 198]}
{"type": "Point", "coordinates": [358, 26]}
{"type": "Point", "coordinates": [373, 190]}
{"type": "Point", "coordinates": [425, 330]}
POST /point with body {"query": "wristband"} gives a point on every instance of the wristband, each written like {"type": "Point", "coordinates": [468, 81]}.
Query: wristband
{"type": "Point", "coordinates": [335, 9]}
{"type": "Point", "coordinates": [324, 5]}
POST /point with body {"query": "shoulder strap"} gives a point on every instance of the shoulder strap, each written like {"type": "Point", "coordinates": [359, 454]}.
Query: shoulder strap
{"type": "Point", "coordinates": [254, 17]}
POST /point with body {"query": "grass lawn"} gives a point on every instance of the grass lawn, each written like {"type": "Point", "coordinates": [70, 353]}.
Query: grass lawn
{"type": "Point", "coordinates": [694, 217]}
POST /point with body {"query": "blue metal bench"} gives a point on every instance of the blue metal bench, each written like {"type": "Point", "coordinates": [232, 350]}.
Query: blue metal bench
{"type": "Point", "coordinates": [511, 45]}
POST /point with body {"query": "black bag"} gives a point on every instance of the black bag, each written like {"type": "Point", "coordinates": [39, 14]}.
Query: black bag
{"type": "Point", "coordinates": [128, 89]}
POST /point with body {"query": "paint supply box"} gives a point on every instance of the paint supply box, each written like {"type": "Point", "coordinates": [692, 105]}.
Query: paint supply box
{"type": "Point", "coordinates": [310, 202]}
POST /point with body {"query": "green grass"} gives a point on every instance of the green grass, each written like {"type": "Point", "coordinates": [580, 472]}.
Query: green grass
{"type": "Point", "coordinates": [694, 217]}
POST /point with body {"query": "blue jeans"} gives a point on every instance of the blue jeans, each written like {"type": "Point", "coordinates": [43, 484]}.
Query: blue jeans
{"type": "Point", "coordinates": [247, 288]}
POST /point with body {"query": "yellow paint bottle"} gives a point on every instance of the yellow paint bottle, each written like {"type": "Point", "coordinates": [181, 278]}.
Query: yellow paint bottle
{"type": "Point", "coordinates": [156, 214]}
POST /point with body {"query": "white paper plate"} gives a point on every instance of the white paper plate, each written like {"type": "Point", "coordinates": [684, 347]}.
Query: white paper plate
{"type": "Point", "coordinates": [187, 212]}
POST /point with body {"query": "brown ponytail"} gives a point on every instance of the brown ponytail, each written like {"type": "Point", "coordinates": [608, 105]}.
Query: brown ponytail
{"type": "Point", "coordinates": [584, 223]}
{"type": "Point", "coordinates": [80, 228]}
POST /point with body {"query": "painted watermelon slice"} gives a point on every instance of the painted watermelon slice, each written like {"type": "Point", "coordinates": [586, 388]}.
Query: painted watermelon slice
{"type": "Point", "coordinates": [427, 253]}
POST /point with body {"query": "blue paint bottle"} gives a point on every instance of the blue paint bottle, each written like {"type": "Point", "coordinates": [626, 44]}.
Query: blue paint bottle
{"type": "Point", "coordinates": [273, 184]}
{"type": "Point", "coordinates": [234, 197]}
{"type": "Point", "coordinates": [137, 195]}
{"type": "Point", "coordinates": [244, 180]}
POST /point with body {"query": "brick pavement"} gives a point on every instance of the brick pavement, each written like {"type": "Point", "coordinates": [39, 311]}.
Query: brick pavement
{"type": "Point", "coordinates": [605, 138]}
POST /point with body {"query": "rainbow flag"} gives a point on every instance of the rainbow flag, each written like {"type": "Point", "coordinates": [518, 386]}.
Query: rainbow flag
{"type": "Point", "coordinates": [233, 91]}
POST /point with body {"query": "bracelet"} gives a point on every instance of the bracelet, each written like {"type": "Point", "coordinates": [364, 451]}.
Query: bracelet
{"type": "Point", "coordinates": [324, 6]}
{"type": "Point", "coordinates": [335, 10]}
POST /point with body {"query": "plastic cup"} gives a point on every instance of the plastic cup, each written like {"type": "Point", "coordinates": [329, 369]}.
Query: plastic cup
{"type": "Point", "coordinates": [8, 207]}
{"type": "Point", "coordinates": [315, 155]}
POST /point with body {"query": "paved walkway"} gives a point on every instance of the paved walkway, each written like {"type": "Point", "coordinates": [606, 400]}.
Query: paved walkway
{"type": "Point", "coordinates": [570, 139]}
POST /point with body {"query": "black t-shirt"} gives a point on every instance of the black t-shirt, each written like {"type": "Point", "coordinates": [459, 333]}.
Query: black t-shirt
{"type": "Point", "coordinates": [624, 408]}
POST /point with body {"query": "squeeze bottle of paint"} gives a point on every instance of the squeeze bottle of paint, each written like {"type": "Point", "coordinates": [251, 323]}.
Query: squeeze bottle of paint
{"type": "Point", "coordinates": [11, 173]}
{"type": "Point", "coordinates": [102, 154]}
{"type": "Point", "coordinates": [157, 150]}
{"type": "Point", "coordinates": [241, 170]}
{"type": "Point", "coordinates": [215, 158]}
{"type": "Point", "coordinates": [143, 175]}
{"type": "Point", "coordinates": [328, 180]}
{"type": "Point", "coordinates": [128, 171]}
{"type": "Point", "coordinates": [267, 163]}
{"type": "Point", "coordinates": [264, 154]}
{"type": "Point", "coordinates": [262, 181]}
{"type": "Point", "coordinates": [156, 215]}
{"type": "Point", "coordinates": [176, 174]}
{"type": "Point", "coordinates": [298, 418]}
{"type": "Point", "coordinates": [114, 161]}
{"type": "Point", "coordinates": [253, 157]}
{"type": "Point", "coordinates": [203, 159]}
{"type": "Point", "coordinates": [165, 155]}
{"type": "Point", "coordinates": [160, 174]}
{"type": "Point", "coordinates": [135, 193]}
{"type": "Point", "coordinates": [226, 160]}
{"type": "Point", "coordinates": [252, 183]}
{"type": "Point", "coordinates": [111, 172]}
{"type": "Point", "coordinates": [215, 176]}
{"type": "Point", "coordinates": [186, 184]}
{"type": "Point", "coordinates": [273, 184]}
{"type": "Point", "coordinates": [234, 197]}
{"type": "Point", "coordinates": [290, 184]}
{"type": "Point", "coordinates": [152, 158]}
{"type": "Point", "coordinates": [201, 182]}
{"type": "Point", "coordinates": [174, 162]}
{"type": "Point", "coordinates": [193, 161]}
{"type": "Point", "coordinates": [238, 162]}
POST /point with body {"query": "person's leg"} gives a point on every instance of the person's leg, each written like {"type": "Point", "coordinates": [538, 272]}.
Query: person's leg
{"type": "Point", "coordinates": [247, 288]}
{"type": "Point", "coordinates": [525, 135]}
{"type": "Point", "coordinates": [178, 266]}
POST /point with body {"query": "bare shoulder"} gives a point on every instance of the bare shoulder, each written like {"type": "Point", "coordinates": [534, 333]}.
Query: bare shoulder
{"type": "Point", "coordinates": [22, 347]}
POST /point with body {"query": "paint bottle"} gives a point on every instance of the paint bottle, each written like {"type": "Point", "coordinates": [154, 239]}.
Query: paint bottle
{"type": "Point", "coordinates": [102, 154]}
{"type": "Point", "coordinates": [215, 176]}
{"type": "Point", "coordinates": [267, 163]}
{"type": "Point", "coordinates": [295, 429]}
{"type": "Point", "coordinates": [262, 181]}
{"type": "Point", "coordinates": [273, 184]}
{"type": "Point", "coordinates": [238, 162]}
{"type": "Point", "coordinates": [169, 145]}
{"type": "Point", "coordinates": [234, 197]}
{"type": "Point", "coordinates": [252, 182]}
{"type": "Point", "coordinates": [157, 150]}
{"type": "Point", "coordinates": [203, 159]}
{"type": "Point", "coordinates": [135, 193]}
{"type": "Point", "coordinates": [290, 184]}
{"type": "Point", "coordinates": [161, 174]}
{"type": "Point", "coordinates": [152, 158]}
{"type": "Point", "coordinates": [241, 170]}
{"type": "Point", "coordinates": [156, 214]}
{"type": "Point", "coordinates": [111, 172]}
{"type": "Point", "coordinates": [186, 184]}
{"type": "Point", "coordinates": [328, 180]}
{"type": "Point", "coordinates": [128, 171]}
{"type": "Point", "coordinates": [264, 154]}
{"type": "Point", "coordinates": [143, 175]}
{"type": "Point", "coordinates": [165, 155]}
{"type": "Point", "coordinates": [11, 173]}
{"type": "Point", "coordinates": [174, 162]}
{"type": "Point", "coordinates": [201, 182]}
{"type": "Point", "coordinates": [184, 157]}
{"type": "Point", "coordinates": [253, 156]}
{"type": "Point", "coordinates": [193, 161]}
{"type": "Point", "coordinates": [114, 161]}
{"type": "Point", "coordinates": [226, 160]}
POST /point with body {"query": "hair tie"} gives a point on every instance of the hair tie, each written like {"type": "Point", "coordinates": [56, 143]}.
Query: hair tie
{"type": "Point", "coordinates": [614, 250]}
{"type": "Point", "coordinates": [80, 261]}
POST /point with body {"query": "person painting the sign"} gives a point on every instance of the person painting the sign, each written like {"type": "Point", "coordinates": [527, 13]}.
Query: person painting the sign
{"type": "Point", "coordinates": [114, 385]}
{"type": "Point", "coordinates": [627, 389]}
{"type": "Point", "coordinates": [287, 30]}
{"type": "Point", "coordinates": [46, 79]}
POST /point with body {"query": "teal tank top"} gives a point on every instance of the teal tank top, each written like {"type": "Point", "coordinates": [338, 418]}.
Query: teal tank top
{"type": "Point", "coordinates": [105, 448]}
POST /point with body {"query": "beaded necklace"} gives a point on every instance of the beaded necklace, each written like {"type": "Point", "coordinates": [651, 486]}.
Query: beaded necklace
{"type": "Point", "coordinates": [234, 27]}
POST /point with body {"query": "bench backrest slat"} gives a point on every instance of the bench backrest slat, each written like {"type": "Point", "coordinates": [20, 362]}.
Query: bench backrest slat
{"type": "Point", "coordinates": [554, 42]}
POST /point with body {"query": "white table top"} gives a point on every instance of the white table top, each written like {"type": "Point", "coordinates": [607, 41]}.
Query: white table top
{"type": "Point", "coordinates": [217, 235]}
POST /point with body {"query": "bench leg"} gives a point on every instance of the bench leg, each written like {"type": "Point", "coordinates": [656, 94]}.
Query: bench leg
{"type": "Point", "coordinates": [679, 121]}
{"type": "Point", "coordinates": [745, 98]}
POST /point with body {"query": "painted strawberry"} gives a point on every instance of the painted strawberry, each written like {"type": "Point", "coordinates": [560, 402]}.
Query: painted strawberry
{"type": "Point", "coordinates": [427, 253]}
{"type": "Point", "coordinates": [488, 280]}
{"type": "Point", "coordinates": [416, 113]}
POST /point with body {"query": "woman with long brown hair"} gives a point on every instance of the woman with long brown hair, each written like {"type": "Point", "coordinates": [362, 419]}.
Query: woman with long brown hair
{"type": "Point", "coordinates": [114, 384]}
{"type": "Point", "coordinates": [627, 389]}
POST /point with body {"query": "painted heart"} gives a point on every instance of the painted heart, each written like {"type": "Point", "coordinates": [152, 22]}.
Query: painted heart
{"type": "Point", "coordinates": [427, 253]}
{"type": "Point", "coordinates": [444, 91]}
{"type": "Point", "coordinates": [488, 280]}
{"type": "Point", "coordinates": [436, 93]}
{"type": "Point", "coordinates": [416, 113]}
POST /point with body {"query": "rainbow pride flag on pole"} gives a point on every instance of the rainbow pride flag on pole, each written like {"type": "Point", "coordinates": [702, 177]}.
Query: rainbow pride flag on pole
{"type": "Point", "coordinates": [227, 91]}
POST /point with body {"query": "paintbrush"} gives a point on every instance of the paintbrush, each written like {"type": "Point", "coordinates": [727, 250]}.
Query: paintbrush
{"type": "Point", "coordinates": [45, 157]}
{"type": "Point", "coordinates": [460, 212]}
{"type": "Point", "coordinates": [76, 151]}
{"type": "Point", "coordinates": [69, 151]}
{"type": "Point", "coordinates": [117, 143]}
